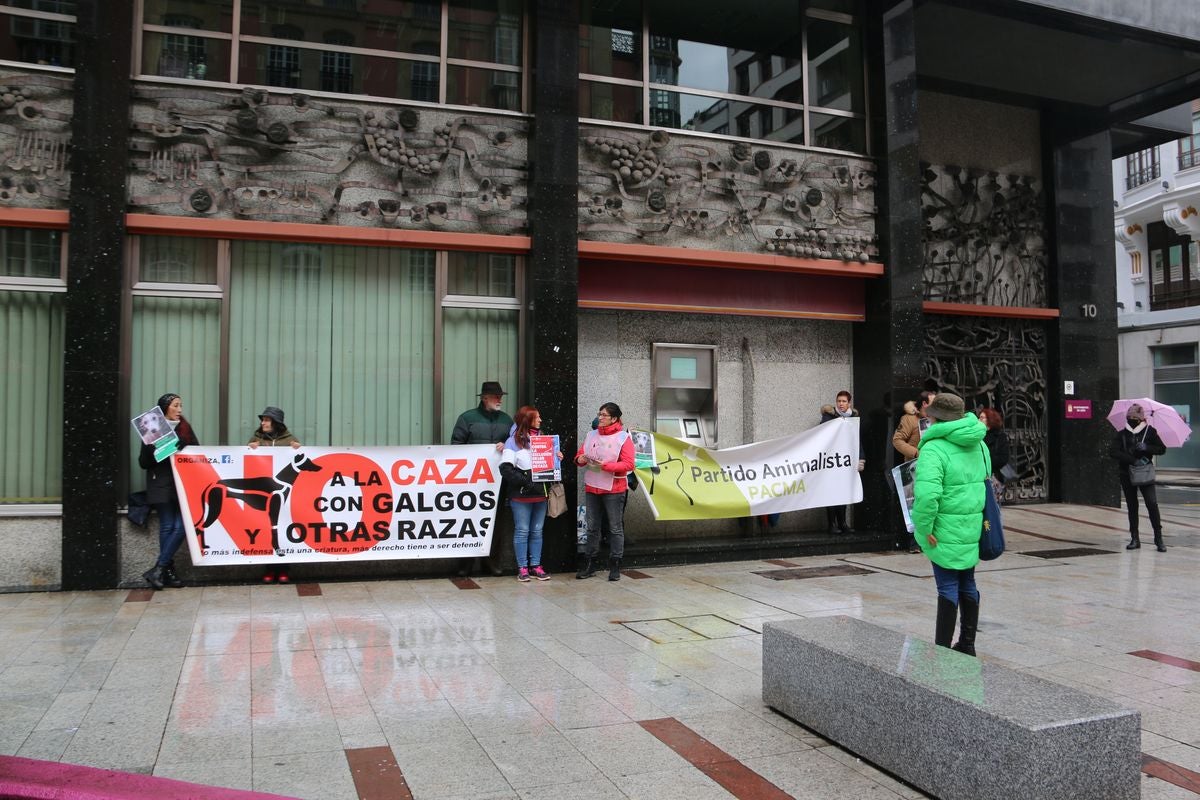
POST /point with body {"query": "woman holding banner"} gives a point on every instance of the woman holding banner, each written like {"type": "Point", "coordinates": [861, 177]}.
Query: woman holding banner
{"type": "Point", "coordinates": [527, 497]}
{"type": "Point", "coordinates": [947, 514]}
{"type": "Point", "coordinates": [272, 432]}
{"type": "Point", "coordinates": [160, 493]}
{"type": "Point", "coordinates": [608, 455]}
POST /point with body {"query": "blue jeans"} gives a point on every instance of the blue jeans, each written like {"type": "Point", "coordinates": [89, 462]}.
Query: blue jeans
{"type": "Point", "coordinates": [953, 583]}
{"type": "Point", "coordinates": [528, 519]}
{"type": "Point", "coordinates": [170, 530]}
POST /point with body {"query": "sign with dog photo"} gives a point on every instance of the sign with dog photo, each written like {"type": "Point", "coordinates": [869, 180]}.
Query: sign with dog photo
{"type": "Point", "coordinates": [332, 504]}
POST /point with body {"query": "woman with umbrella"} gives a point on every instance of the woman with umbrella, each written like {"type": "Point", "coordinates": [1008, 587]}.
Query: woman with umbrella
{"type": "Point", "coordinates": [1135, 441]}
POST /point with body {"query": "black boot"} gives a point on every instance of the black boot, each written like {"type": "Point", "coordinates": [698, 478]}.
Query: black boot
{"type": "Point", "coordinates": [1158, 542]}
{"type": "Point", "coordinates": [153, 576]}
{"type": "Point", "coordinates": [587, 568]}
{"type": "Point", "coordinates": [1134, 542]}
{"type": "Point", "coordinates": [614, 569]}
{"type": "Point", "coordinates": [970, 622]}
{"type": "Point", "coordinates": [169, 578]}
{"type": "Point", "coordinates": [947, 615]}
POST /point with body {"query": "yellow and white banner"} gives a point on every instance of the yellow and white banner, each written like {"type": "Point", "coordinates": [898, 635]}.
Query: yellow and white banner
{"type": "Point", "coordinates": [279, 505]}
{"type": "Point", "coordinates": [818, 467]}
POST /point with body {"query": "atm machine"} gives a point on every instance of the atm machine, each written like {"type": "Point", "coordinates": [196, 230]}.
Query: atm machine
{"type": "Point", "coordinates": [685, 392]}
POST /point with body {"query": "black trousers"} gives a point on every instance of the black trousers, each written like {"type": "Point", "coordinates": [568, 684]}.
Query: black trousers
{"type": "Point", "coordinates": [836, 516]}
{"type": "Point", "coordinates": [1150, 495]}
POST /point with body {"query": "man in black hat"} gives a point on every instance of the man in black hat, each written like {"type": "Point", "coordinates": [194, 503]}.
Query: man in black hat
{"type": "Point", "coordinates": [486, 423]}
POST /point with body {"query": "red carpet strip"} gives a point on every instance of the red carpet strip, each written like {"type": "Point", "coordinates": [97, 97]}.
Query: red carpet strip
{"type": "Point", "coordinates": [29, 778]}
{"type": "Point", "coordinates": [139, 595]}
{"type": "Point", "coordinates": [308, 590]}
{"type": "Point", "coordinates": [637, 575]}
{"type": "Point", "coordinates": [376, 774]}
{"type": "Point", "coordinates": [1163, 658]}
{"type": "Point", "coordinates": [731, 774]}
{"type": "Point", "coordinates": [1171, 773]}
{"type": "Point", "coordinates": [1043, 536]}
{"type": "Point", "coordinates": [1176, 522]}
{"type": "Point", "coordinates": [465, 583]}
{"type": "Point", "coordinates": [1073, 519]}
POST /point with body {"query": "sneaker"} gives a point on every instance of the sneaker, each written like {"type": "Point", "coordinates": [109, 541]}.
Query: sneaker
{"type": "Point", "coordinates": [523, 574]}
{"type": "Point", "coordinates": [268, 576]}
{"type": "Point", "coordinates": [540, 573]}
{"type": "Point", "coordinates": [283, 577]}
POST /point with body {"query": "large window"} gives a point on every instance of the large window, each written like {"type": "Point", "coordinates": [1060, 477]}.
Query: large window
{"type": "Point", "coordinates": [358, 345]}
{"type": "Point", "coordinates": [460, 52]}
{"type": "Point", "coordinates": [1189, 146]}
{"type": "Point", "coordinates": [1141, 168]}
{"type": "Point", "coordinates": [799, 79]}
{"type": "Point", "coordinates": [38, 32]}
{"type": "Point", "coordinates": [1174, 268]}
{"type": "Point", "coordinates": [1177, 383]}
{"type": "Point", "coordinates": [31, 375]}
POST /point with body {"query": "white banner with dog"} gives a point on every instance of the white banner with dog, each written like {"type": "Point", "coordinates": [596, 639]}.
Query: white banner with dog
{"type": "Point", "coordinates": [279, 505]}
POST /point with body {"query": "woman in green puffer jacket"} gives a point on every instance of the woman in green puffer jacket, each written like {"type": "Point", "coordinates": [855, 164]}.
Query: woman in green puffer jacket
{"type": "Point", "coordinates": [947, 514]}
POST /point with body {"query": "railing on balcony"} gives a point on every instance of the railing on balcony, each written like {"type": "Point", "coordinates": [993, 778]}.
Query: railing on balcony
{"type": "Point", "coordinates": [1189, 152]}
{"type": "Point", "coordinates": [1138, 177]}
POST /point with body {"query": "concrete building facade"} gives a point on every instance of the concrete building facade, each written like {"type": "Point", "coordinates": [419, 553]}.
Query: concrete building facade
{"type": "Point", "coordinates": [360, 210]}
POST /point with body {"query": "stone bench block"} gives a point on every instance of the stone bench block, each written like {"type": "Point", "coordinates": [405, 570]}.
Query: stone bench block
{"type": "Point", "coordinates": [951, 725]}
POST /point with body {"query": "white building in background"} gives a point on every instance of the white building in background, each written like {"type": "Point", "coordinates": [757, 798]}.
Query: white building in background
{"type": "Point", "coordinates": [1157, 223]}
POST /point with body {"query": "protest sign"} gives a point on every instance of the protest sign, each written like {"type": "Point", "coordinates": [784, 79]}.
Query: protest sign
{"type": "Point", "coordinates": [903, 477]}
{"type": "Point", "coordinates": [543, 453]}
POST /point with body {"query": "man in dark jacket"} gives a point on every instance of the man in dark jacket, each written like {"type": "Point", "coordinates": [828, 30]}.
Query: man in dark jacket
{"type": "Point", "coordinates": [486, 423]}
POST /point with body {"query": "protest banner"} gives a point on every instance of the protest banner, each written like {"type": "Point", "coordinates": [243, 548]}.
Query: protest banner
{"type": "Point", "coordinates": [818, 467]}
{"type": "Point", "coordinates": [244, 506]}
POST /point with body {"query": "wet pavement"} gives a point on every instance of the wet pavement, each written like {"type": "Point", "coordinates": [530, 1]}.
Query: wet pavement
{"type": "Point", "coordinates": [649, 687]}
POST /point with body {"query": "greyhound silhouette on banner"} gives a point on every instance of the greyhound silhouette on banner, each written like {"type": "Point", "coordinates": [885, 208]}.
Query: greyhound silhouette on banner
{"type": "Point", "coordinates": [262, 494]}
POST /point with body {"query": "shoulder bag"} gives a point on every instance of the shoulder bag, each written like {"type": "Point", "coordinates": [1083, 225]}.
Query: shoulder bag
{"type": "Point", "coordinates": [1141, 472]}
{"type": "Point", "coordinates": [991, 537]}
{"type": "Point", "coordinates": [557, 501]}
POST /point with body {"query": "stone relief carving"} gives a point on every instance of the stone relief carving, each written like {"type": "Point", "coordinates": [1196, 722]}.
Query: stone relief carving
{"type": "Point", "coordinates": [1001, 364]}
{"type": "Point", "coordinates": [985, 237]}
{"type": "Point", "coordinates": [668, 188]}
{"type": "Point", "coordinates": [35, 140]}
{"type": "Point", "coordinates": [294, 158]}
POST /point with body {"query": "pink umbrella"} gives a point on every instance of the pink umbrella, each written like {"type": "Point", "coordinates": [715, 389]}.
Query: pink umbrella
{"type": "Point", "coordinates": [1163, 418]}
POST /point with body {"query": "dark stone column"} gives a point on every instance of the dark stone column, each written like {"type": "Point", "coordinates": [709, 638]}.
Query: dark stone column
{"type": "Point", "coordinates": [92, 424]}
{"type": "Point", "coordinates": [1082, 347]}
{"type": "Point", "coordinates": [889, 349]}
{"type": "Point", "coordinates": [553, 269]}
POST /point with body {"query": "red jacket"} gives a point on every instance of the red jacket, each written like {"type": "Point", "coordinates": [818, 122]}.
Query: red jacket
{"type": "Point", "coordinates": [619, 468]}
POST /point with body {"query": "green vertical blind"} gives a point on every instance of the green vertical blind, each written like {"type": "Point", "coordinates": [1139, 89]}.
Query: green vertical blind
{"type": "Point", "coordinates": [31, 397]}
{"type": "Point", "coordinates": [340, 338]}
{"type": "Point", "coordinates": [381, 388]}
{"type": "Point", "coordinates": [281, 315]}
{"type": "Point", "coordinates": [175, 346]}
{"type": "Point", "coordinates": [478, 344]}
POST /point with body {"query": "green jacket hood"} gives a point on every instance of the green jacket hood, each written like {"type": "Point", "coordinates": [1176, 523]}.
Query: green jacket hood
{"type": "Point", "coordinates": [965, 432]}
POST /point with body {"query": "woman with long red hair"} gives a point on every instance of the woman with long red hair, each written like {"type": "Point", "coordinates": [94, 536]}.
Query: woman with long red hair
{"type": "Point", "coordinates": [528, 498]}
{"type": "Point", "coordinates": [997, 444]}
